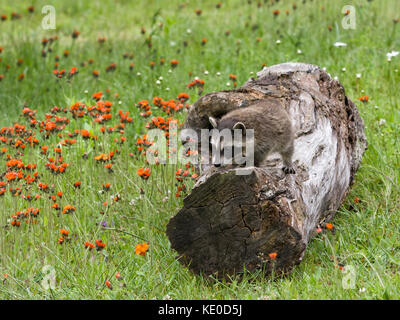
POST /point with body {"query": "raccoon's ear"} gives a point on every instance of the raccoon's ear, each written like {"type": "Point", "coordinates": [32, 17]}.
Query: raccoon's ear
{"type": "Point", "coordinates": [213, 122]}
{"type": "Point", "coordinates": [239, 125]}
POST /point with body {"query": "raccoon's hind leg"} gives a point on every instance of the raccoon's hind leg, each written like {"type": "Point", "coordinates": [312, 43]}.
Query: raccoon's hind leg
{"type": "Point", "coordinates": [287, 159]}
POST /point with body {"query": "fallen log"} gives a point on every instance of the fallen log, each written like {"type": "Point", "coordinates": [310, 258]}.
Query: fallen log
{"type": "Point", "coordinates": [264, 220]}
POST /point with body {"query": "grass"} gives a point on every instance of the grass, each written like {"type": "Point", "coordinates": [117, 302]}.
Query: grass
{"type": "Point", "coordinates": [366, 233]}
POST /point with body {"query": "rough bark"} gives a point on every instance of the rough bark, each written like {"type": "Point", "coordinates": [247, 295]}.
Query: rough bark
{"type": "Point", "coordinates": [232, 221]}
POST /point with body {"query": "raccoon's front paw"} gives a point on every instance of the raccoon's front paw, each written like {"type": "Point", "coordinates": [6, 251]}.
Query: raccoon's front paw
{"type": "Point", "coordinates": [288, 170]}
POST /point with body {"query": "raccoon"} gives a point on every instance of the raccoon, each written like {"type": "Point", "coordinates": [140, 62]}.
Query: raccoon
{"type": "Point", "coordinates": [272, 127]}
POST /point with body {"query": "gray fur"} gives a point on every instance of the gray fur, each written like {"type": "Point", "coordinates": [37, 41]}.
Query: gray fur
{"type": "Point", "coordinates": [272, 130]}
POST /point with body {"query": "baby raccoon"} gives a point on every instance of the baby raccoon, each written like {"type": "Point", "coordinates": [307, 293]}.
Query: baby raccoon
{"type": "Point", "coordinates": [272, 131]}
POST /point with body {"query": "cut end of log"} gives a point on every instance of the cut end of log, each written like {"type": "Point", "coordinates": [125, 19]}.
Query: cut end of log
{"type": "Point", "coordinates": [234, 222]}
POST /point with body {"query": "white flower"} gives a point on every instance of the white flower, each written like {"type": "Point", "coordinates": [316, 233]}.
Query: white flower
{"type": "Point", "coordinates": [324, 68]}
{"type": "Point", "coordinates": [120, 102]}
{"type": "Point", "coordinates": [166, 89]}
{"type": "Point", "coordinates": [336, 78]}
{"type": "Point", "coordinates": [189, 31]}
{"type": "Point", "coordinates": [381, 122]}
{"type": "Point", "coordinates": [392, 54]}
{"type": "Point", "coordinates": [228, 84]}
{"type": "Point", "coordinates": [340, 44]}
{"type": "Point", "coordinates": [158, 82]}
{"type": "Point", "coordinates": [376, 107]}
{"type": "Point", "coordinates": [299, 51]}
{"type": "Point", "coordinates": [358, 75]}
{"type": "Point", "coordinates": [86, 91]}
{"type": "Point", "coordinates": [170, 71]}
{"type": "Point", "coordinates": [218, 74]}
{"type": "Point", "coordinates": [160, 78]}
{"type": "Point", "coordinates": [172, 43]}
{"type": "Point", "coordinates": [196, 78]}
{"type": "Point", "coordinates": [362, 290]}
{"type": "Point", "coordinates": [138, 74]}
{"type": "Point", "coordinates": [344, 69]}
{"type": "Point", "coordinates": [251, 72]}
{"type": "Point", "coordinates": [278, 41]}
{"type": "Point", "coordinates": [205, 72]}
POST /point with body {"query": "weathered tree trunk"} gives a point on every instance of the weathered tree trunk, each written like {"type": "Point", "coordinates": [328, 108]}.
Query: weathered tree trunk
{"type": "Point", "coordinates": [232, 221]}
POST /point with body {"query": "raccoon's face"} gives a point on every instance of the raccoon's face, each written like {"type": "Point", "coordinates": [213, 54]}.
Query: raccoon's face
{"type": "Point", "coordinates": [222, 143]}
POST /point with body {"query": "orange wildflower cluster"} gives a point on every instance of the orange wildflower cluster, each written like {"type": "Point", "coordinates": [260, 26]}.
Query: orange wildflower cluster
{"type": "Point", "coordinates": [196, 83]}
{"type": "Point", "coordinates": [68, 209]}
{"type": "Point", "coordinates": [142, 248]}
{"type": "Point", "coordinates": [64, 236]}
{"type": "Point", "coordinates": [171, 105]}
{"type": "Point", "coordinates": [89, 245]}
{"type": "Point", "coordinates": [143, 143]}
{"type": "Point", "coordinates": [54, 168]}
{"type": "Point", "coordinates": [61, 73]}
{"type": "Point", "coordinates": [100, 245]}
{"type": "Point", "coordinates": [183, 175]}
{"type": "Point", "coordinates": [145, 107]}
{"type": "Point", "coordinates": [29, 215]}
{"type": "Point", "coordinates": [124, 117]}
{"type": "Point", "coordinates": [144, 173]}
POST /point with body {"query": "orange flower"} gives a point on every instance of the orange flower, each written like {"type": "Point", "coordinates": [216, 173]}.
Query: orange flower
{"type": "Point", "coordinates": [141, 249]}
{"type": "Point", "coordinates": [174, 63]}
{"type": "Point", "coordinates": [108, 284]}
{"type": "Point", "coordinates": [329, 226]}
{"type": "Point", "coordinates": [73, 71]}
{"type": "Point", "coordinates": [86, 134]}
{"type": "Point", "coordinates": [273, 255]}
{"type": "Point", "coordinates": [89, 245]}
{"type": "Point", "coordinates": [144, 173]}
{"type": "Point", "coordinates": [64, 232]}
{"type": "Point", "coordinates": [101, 157]}
{"type": "Point", "coordinates": [100, 245]}
{"type": "Point", "coordinates": [68, 209]}
{"type": "Point", "coordinates": [77, 184]}
{"type": "Point", "coordinates": [97, 95]}
{"type": "Point", "coordinates": [61, 240]}
{"type": "Point", "coordinates": [15, 223]}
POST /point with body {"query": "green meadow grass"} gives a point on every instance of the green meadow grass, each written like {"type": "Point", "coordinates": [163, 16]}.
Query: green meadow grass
{"type": "Point", "coordinates": [366, 236]}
